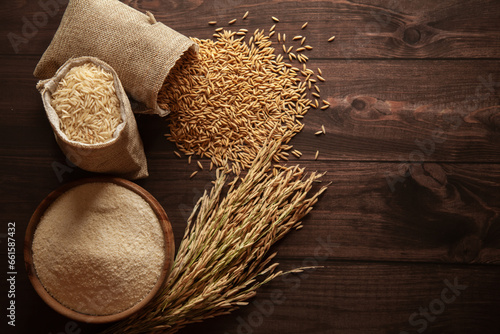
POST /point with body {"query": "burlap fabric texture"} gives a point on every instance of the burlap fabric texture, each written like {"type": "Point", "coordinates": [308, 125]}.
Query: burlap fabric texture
{"type": "Point", "coordinates": [141, 50]}
{"type": "Point", "coordinates": [123, 155]}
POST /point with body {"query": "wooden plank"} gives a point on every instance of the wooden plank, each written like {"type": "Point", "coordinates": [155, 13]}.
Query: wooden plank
{"type": "Point", "coordinates": [19, 85]}
{"type": "Point", "coordinates": [390, 231]}
{"type": "Point", "coordinates": [370, 298]}
{"type": "Point", "coordinates": [381, 110]}
{"type": "Point", "coordinates": [368, 29]}
{"type": "Point", "coordinates": [437, 213]}
{"type": "Point", "coordinates": [445, 213]}
{"type": "Point", "coordinates": [403, 110]}
{"type": "Point", "coordinates": [342, 297]}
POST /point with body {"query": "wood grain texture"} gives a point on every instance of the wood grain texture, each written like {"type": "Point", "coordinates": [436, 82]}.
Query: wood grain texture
{"type": "Point", "coordinates": [449, 213]}
{"type": "Point", "coordinates": [369, 298]}
{"type": "Point", "coordinates": [365, 29]}
{"type": "Point", "coordinates": [344, 297]}
{"type": "Point", "coordinates": [412, 151]}
{"type": "Point", "coordinates": [384, 110]}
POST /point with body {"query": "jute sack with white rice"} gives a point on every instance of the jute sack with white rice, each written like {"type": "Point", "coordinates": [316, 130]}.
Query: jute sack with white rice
{"type": "Point", "coordinates": [93, 122]}
{"type": "Point", "coordinates": [141, 50]}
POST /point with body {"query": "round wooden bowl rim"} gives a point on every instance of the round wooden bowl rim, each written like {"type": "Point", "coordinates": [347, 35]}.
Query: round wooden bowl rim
{"type": "Point", "coordinates": [51, 301]}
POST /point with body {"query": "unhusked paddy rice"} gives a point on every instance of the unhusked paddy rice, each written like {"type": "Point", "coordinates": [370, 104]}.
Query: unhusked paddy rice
{"type": "Point", "coordinates": [227, 101]}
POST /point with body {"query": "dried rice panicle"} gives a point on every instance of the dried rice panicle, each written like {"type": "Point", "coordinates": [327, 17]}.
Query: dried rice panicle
{"type": "Point", "coordinates": [87, 105]}
{"type": "Point", "coordinates": [225, 248]}
{"type": "Point", "coordinates": [226, 102]}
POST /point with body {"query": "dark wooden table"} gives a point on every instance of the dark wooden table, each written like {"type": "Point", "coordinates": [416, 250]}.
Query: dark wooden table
{"type": "Point", "coordinates": [408, 233]}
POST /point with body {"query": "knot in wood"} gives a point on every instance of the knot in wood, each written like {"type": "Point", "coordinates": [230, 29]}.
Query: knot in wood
{"type": "Point", "coordinates": [358, 104]}
{"type": "Point", "coordinates": [411, 36]}
{"type": "Point", "coordinates": [467, 249]}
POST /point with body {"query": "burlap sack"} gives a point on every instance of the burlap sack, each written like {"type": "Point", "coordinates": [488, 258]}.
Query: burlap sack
{"type": "Point", "coordinates": [141, 50]}
{"type": "Point", "coordinates": [123, 155]}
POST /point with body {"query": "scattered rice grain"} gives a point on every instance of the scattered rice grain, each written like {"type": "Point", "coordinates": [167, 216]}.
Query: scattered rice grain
{"type": "Point", "coordinates": [226, 101]}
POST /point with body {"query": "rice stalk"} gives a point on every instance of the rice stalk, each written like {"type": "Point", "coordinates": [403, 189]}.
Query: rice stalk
{"type": "Point", "coordinates": [224, 255]}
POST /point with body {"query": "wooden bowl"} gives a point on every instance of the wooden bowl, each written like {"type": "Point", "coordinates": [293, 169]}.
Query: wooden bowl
{"type": "Point", "coordinates": [56, 305]}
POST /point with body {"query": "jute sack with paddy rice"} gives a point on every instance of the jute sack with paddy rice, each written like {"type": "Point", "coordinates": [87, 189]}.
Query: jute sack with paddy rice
{"type": "Point", "coordinates": [92, 120]}
{"type": "Point", "coordinates": [141, 50]}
